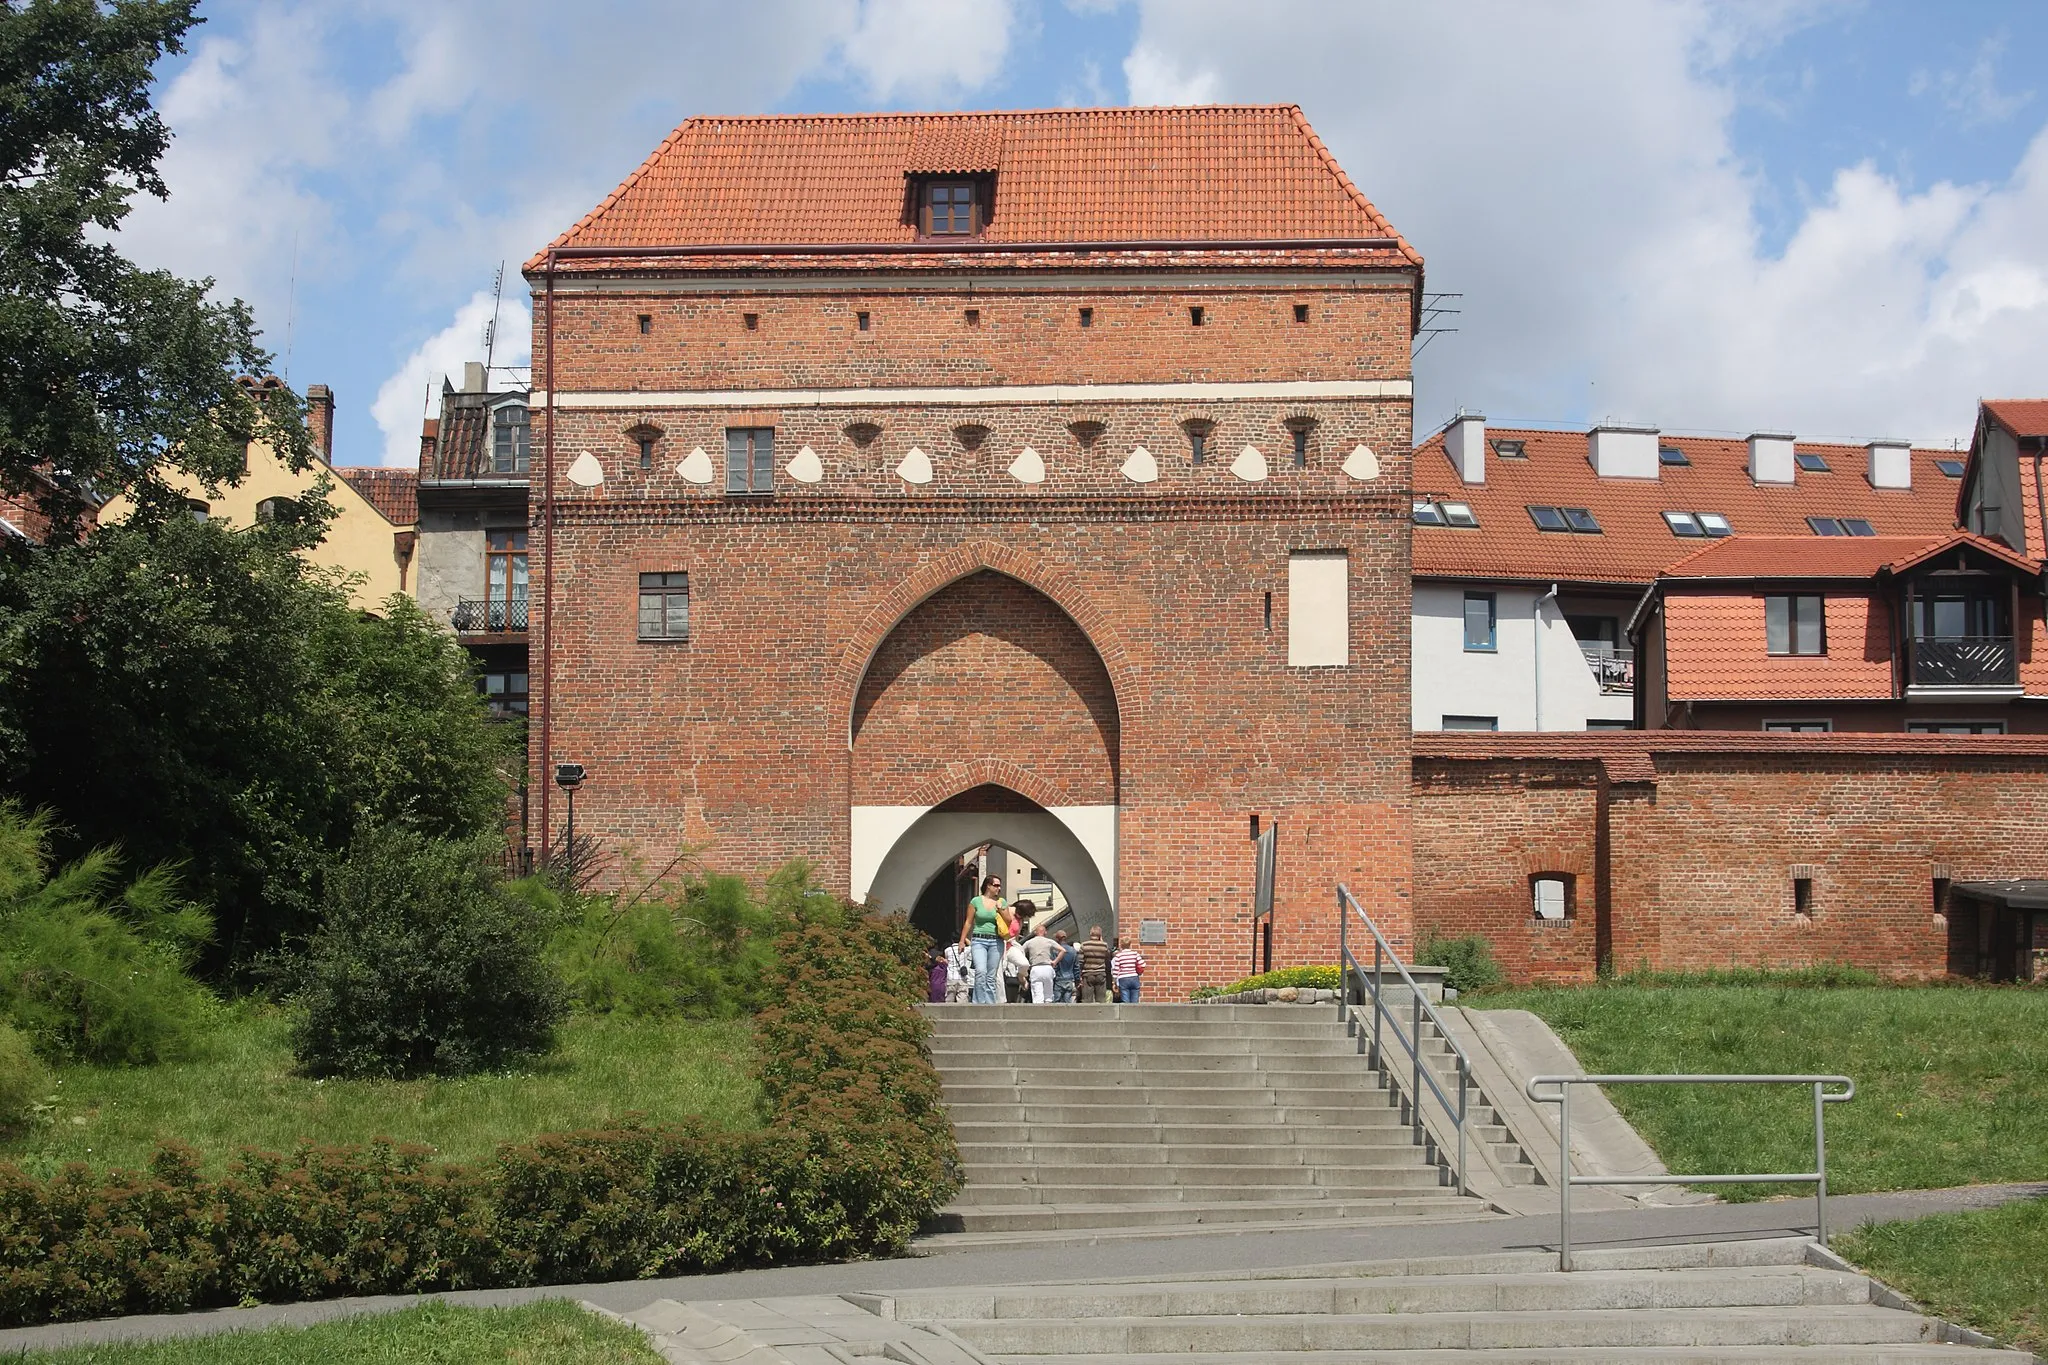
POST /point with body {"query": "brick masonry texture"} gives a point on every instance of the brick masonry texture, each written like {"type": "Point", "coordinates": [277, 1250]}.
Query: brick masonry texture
{"type": "Point", "coordinates": [1682, 856]}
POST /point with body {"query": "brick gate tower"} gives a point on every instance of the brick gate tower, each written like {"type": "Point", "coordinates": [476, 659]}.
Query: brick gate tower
{"type": "Point", "coordinates": [919, 481]}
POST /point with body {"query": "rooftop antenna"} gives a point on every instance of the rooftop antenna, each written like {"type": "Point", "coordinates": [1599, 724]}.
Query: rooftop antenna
{"type": "Point", "coordinates": [491, 330]}
{"type": "Point", "coordinates": [291, 310]}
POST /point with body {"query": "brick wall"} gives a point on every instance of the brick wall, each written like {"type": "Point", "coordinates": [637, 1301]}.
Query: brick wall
{"type": "Point", "coordinates": [1682, 847]}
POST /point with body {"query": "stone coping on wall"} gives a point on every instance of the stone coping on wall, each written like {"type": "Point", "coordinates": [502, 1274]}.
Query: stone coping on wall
{"type": "Point", "coordinates": [1630, 755]}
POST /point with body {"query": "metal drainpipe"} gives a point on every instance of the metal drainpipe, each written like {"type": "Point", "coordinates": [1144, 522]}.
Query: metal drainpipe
{"type": "Point", "coordinates": [547, 570]}
{"type": "Point", "coordinates": [1537, 653]}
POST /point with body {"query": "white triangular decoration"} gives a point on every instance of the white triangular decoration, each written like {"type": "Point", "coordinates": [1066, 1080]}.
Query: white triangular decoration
{"type": "Point", "coordinates": [585, 471]}
{"type": "Point", "coordinates": [1249, 465]}
{"type": "Point", "coordinates": [1027, 467]}
{"type": "Point", "coordinates": [1362, 464]}
{"type": "Point", "coordinates": [1141, 467]}
{"type": "Point", "coordinates": [916, 467]}
{"type": "Point", "coordinates": [696, 466]}
{"type": "Point", "coordinates": [806, 467]}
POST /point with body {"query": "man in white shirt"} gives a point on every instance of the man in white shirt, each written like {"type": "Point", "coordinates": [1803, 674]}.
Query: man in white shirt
{"type": "Point", "coordinates": [959, 974]}
{"type": "Point", "coordinates": [1016, 971]}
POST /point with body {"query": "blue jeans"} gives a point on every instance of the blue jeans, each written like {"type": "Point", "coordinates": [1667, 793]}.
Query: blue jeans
{"type": "Point", "coordinates": [1064, 989]}
{"type": "Point", "coordinates": [1127, 990]}
{"type": "Point", "coordinates": [987, 950]}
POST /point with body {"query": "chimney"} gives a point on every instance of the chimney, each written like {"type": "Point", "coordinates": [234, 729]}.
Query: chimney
{"type": "Point", "coordinates": [320, 419]}
{"type": "Point", "coordinates": [1891, 464]}
{"type": "Point", "coordinates": [1465, 443]}
{"type": "Point", "coordinates": [1770, 457]}
{"type": "Point", "coordinates": [1623, 452]}
{"type": "Point", "coordinates": [473, 377]}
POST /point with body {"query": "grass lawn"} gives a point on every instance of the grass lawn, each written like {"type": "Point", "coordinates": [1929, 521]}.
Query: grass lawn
{"type": "Point", "coordinates": [241, 1091]}
{"type": "Point", "coordinates": [433, 1334]}
{"type": "Point", "coordinates": [1986, 1269]}
{"type": "Point", "coordinates": [1952, 1081]}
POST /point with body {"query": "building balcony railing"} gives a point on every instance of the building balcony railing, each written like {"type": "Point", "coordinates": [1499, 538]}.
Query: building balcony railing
{"type": "Point", "coordinates": [1962, 661]}
{"type": "Point", "coordinates": [1613, 669]}
{"type": "Point", "coordinates": [494, 617]}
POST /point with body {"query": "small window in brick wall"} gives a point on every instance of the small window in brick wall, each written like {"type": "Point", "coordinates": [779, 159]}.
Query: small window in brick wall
{"type": "Point", "coordinates": [1802, 890]}
{"type": "Point", "coordinates": [664, 606]}
{"type": "Point", "coordinates": [646, 323]}
{"type": "Point", "coordinates": [861, 320]}
{"type": "Point", "coordinates": [750, 459]}
{"type": "Point", "coordinates": [1087, 317]}
{"type": "Point", "coordinates": [1301, 312]}
{"type": "Point", "coordinates": [1196, 317]}
{"type": "Point", "coordinates": [1550, 894]}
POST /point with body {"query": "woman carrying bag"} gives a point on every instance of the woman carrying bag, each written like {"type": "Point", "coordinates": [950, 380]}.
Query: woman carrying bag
{"type": "Point", "coordinates": [984, 934]}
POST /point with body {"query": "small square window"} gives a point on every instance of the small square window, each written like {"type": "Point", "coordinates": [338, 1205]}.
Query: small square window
{"type": "Point", "coordinates": [860, 320]}
{"type": "Point", "coordinates": [1471, 722]}
{"type": "Point", "coordinates": [1301, 312]}
{"type": "Point", "coordinates": [1548, 519]}
{"type": "Point", "coordinates": [1826, 526]}
{"type": "Point", "coordinates": [1671, 455]}
{"type": "Point", "coordinates": [753, 321]}
{"type": "Point", "coordinates": [664, 606]}
{"type": "Point", "coordinates": [1087, 317]}
{"type": "Point", "coordinates": [1582, 520]}
{"type": "Point", "coordinates": [1794, 624]}
{"type": "Point", "coordinates": [1196, 317]}
{"type": "Point", "coordinates": [750, 459]}
{"type": "Point", "coordinates": [1427, 514]}
{"type": "Point", "coordinates": [1857, 526]}
{"type": "Point", "coordinates": [646, 323]}
{"type": "Point", "coordinates": [1952, 468]}
{"type": "Point", "coordinates": [1810, 462]}
{"type": "Point", "coordinates": [1480, 623]}
{"type": "Point", "coordinates": [1714, 524]}
{"type": "Point", "coordinates": [1459, 514]}
{"type": "Point", "coordinates": [1683, 524]}
{"type": "Point", "coordinates": [974, 317]}
{"type": "Point", "coordinates": [1551, 897]}
{"type": "Point", "coordinates": [1510, 450]}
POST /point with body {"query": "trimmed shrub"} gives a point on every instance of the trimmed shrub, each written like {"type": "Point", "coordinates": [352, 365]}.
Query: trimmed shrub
{"type": "Point", "coordinates": [1467, 961]}
{"type": "Point", "coordinates": [856, 1152]}
{"type": "Point", "coordinates": [422, 965]}
{"type": "Point", "coordinates": [1320, 978]}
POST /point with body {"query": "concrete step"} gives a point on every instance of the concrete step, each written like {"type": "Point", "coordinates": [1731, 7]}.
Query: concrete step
{"type": "Point", "coordinates": [1805, 1325]}
{"type": "Point", "coordinates": [1390, 1183]}
{"type": "Point", "coordinates": [1058, 1156]}
{"type": "Point", "coordinates": [1133, 1050]}
{"type": "Point", "coordinates": [1357, 1175]}
{"type": "Point", "coordinates": [966, 1217]}
{"type": "Point", "coordinates": [1364, 1113]}
{"type": "Point", "coordinates": [1871, 1354]}
{"type": "Point", "coordinates": [1164, 1134]}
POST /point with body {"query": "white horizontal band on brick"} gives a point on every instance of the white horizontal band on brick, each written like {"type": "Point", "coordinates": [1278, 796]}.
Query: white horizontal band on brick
{"type": "Point", "coordinates": [991, 394]}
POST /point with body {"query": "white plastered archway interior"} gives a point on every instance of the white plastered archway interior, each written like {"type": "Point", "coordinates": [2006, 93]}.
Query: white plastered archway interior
{"type": "Point", "coordinates": [926, 843]}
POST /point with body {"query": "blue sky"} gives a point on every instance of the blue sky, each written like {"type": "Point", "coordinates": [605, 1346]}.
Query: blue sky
{"type": "Point", "coordinates": [1831, 218]}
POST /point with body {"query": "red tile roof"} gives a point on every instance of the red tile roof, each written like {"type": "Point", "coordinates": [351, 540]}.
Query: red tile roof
{"type": "Point", "coordinates": [1808, 556]}
{"type": "Point", "coordinates": [1631, 756]}
{"type": "Point", "coordinates": [395, 493]}
{"type": "Point", "coordinates": [1635, 544]}
{"type": "Point", "coordinates": [2021, 416]}
{"type": "Point", "coordinates": [1715, 650]}
{"type": "Point", "coordinates": [1224, 173]}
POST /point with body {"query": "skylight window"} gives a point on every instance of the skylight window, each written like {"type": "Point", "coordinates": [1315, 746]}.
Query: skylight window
{"type": "Point", "coordinates": [1426, 514]}
{"type": "Point", "coordinates": [1548, 519]}
{"type": "Point", "coordinates": [1826, 526]}
{"type": "Point", "coordinates": [1713, 523]}
{"type": "Point", "coordinates": [1671, 455]}
{"type": "Point", "coordinates": [1952, 468]}
{"type": "Point", "coordinates": [1581, 520]}
{"type": "Point", "coordinates": [1510, 450]}
{"type": "Point", "coordinates": [1857, 526]}
{"type": "Point", "coordinates": [1458, 514]}
{"type": "Point", "coordinates": [1810, 462]}
{"type": "Point", "coordinates": [1683, 524]}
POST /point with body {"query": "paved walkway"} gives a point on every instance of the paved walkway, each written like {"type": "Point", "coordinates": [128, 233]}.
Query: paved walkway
{"type": "Point", "coordinates": [1183, 1256]}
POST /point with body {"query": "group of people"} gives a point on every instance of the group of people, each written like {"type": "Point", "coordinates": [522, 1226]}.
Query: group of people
{"type": "Point", "coordinates": [1000, 958]}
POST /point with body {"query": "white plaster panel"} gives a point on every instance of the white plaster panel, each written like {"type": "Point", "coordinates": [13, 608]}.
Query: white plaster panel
{"type": "Point", "coordinates": [875, 831]}
{"type": "Point", "coordinates": [1318, 609]}
{"type": "Point", "coordinates": [1096, 828]}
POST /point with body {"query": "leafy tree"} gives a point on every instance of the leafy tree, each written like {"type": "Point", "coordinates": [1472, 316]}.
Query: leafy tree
{"type": "Point", "coordinates": [197, 694]}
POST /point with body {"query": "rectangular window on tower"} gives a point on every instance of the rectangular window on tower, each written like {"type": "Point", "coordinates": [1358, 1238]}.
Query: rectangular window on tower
{"type": "Point", "coordinates": [664, 606]}
{"type": "Point", "coordinates": [750, 459]}
{"type": "Point", "coordinates": [1318, 609]}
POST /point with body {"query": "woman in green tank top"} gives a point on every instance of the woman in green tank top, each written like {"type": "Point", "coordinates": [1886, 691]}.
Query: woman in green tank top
{"type": "Point", "coordinates": [988, 924]}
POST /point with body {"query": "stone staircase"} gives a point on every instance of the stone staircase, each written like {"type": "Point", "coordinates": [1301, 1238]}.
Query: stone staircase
{"type": "Point", "coordinates": [1109, 1120]}
{"type": "Point", "coordinates": [1777, 1302]}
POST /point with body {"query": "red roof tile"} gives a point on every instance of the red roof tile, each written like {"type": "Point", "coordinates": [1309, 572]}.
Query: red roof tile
{"type": "Point", "coordinates": [1808, 556]}
{"type": "Point", "coordinates": [1635, 543]}
{"type": "Point", "coordinates": [395, 493]}
{"type": "Point", "coordinates": [1715, 650]}
{"type": "Point", "coordinates": [1225, 173]}
{"type": "Point", "coordinates": [2020, 416]}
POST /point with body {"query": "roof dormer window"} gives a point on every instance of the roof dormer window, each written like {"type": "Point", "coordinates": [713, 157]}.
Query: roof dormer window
{"type": "Point", "coordinates": [951, 208]}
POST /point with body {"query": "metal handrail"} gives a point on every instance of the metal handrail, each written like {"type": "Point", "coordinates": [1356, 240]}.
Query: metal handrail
{"type": "Point", "coordinates": [1817, 1177]}
{"type": "Point", "coordinates": [1382, 953]}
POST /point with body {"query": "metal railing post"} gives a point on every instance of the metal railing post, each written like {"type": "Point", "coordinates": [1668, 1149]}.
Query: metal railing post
{"type": "Point", "coordinates": [1415, 1052]}
{"type": "Point", "coordinates": [1564, 1177]}
{"type": "Point", "coordinates": [1464, 1082]}
{"type": "Point", "coordinates": [1378, 981]}
{"type": "Point", "coordinates": [1343, 959]}
{"type": "Point", "coordinates": [1820, 1162]}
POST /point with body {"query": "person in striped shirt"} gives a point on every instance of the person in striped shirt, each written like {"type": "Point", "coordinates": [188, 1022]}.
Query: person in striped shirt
{"type": "Point", "coordinates": [1126, 967]}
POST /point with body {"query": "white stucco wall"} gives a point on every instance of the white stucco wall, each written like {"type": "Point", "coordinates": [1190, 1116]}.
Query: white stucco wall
{"type": "Point", "coordinates": [1450, 681]}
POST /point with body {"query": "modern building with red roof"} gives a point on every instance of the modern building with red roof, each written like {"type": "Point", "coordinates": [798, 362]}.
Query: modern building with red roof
{"type": "Point", "coordinates": [1533, 547]}
{"type": "Point", "coordinates": [912, 484]}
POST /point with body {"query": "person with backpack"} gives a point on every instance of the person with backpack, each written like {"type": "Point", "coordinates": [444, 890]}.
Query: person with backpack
{"type": "Point", "coordinates": [1066, 972]}
{"type": "Point", "coordinates": [1127, 965]}
{"type": "Point", "coordinates": [959, 974]}
{"type": "Point", "coordinates": [986, 930]}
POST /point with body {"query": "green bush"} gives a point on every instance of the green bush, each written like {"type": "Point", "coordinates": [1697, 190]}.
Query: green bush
{"type": "Point", "coordinates": [23, 1078]}
{"type": "Point", "coordinates": [1467, 961]}
{"type": "Point", "coordinates": [856, 1151]}
{"type": "Point", "coordinates": [422, 965]}
{"type": "Point", "coordinates": [1321, 978]}
{"type": "Point", "coordinates": [91, 971]}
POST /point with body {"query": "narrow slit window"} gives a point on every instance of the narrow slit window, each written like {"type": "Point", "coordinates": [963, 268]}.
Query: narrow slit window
{"type": "Point", "coordinates": [646, 323]}
{"type": "Point", "coordinates": [1300, 435]}
{"type": "Point", "coordinates": [1802, 897]}
{"type": "Point", "coordinates": [860, 320]}
{"type": "Point", "coordinates": [646, 444]}
{"type": "Point", "coordinates": [1196, 317]}
{"type": "Point", "coordinates": [1269, 612]}
{"type": "Point", "coordinates": [1087, 317]}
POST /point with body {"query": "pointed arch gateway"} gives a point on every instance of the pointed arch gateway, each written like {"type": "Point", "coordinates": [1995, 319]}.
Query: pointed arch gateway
{"type": "Point", "coordinates": [982, 713]}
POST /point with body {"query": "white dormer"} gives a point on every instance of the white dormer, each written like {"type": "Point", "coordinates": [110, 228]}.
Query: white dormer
{"type": "Point", "coordinates": [1891, 464]}
{"type": "Point", "coordinates": [1465, 443]}
{"type": "Point", "coordinates": [1771, 457]}
{"type": "Point", "coordinates": [1622, 452]}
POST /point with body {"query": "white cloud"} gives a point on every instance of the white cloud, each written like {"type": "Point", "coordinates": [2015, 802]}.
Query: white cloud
{"type": "Point", "coordinates": [928, 49]}
{"type": "Point", "coordinates": [1972, 92]}
{"type": "Point", "coordinates": [1569, 169]}
{"type": "Point", "coordinates": [413, 390]}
